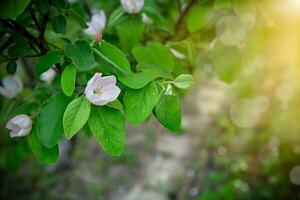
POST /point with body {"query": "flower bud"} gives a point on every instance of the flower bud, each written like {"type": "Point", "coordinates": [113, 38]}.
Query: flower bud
{"type": "Point", "coordinates": [96, 25]}
{"type": "Point", "coordinates": [12, 85]}
{"type": "Point", "coordinates": [19, 126]}
{"type": "Point", "coordinates": [48, 76]}
{"type": "Point", "coordinates": [146, 19]}
{"type": "Point", "coordinates": [102, 90]}
{"type": "Point", "coordinates": [132, 6]}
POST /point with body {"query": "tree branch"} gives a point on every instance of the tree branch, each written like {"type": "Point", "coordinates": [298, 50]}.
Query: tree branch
{"type": "Point", "coordinates": [6, 44]}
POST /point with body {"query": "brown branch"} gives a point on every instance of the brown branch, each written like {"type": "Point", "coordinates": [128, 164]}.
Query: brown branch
{"type": "Point", "coordinates": [6, 44]}
{"type": "Point", "coordinates": [183, 14]}
{"type": "Point", "coordinates": [180, 19]}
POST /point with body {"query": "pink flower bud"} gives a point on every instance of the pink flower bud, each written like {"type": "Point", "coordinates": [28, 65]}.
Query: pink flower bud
{"type": "Point", "coordinates": [102, 90]}
{"type": "Point", "coordinates": [48, 76]}
{"type": "Point", "coordinates": [12, 85]}
{"type": "Point", "coordinates": [19, 126]}
{"type": "Point", "coordinates": [96, 25]}
{"type": "Point", "coordinates": [132, 6]}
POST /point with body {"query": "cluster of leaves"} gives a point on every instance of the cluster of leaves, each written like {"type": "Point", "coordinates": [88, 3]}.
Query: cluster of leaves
{"type": "Point", "coordinates": [152, 62]}
{"type": "Point", "coordinates": [149, 75]}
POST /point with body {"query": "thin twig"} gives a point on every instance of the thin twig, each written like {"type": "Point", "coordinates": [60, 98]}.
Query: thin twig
{"type": "Point", "coordinates": [6, 44]}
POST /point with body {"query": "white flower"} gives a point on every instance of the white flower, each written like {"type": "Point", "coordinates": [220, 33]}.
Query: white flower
{"type": "Point", "coordinates": [48, 76]}
{"type": "Point", "coordinates": [20, 126]}
{"type": "Point", "coordinates": [132, 6]}
{"type": "Point", "coordinates": [146, 19]}
{"type": "Point", "coordinates": [177, 54]}
{"type": "Point", "coordinates": [12, 85]}
{"type": "Point", "coordinates": [102, 90]}
{"type": "Point", "coordinates": [96, 25]}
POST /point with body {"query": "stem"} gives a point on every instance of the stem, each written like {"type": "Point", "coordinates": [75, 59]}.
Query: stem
{"type": "Point", "coordinates": [6, 44]}
{"type": "Point", "coordinates": [29, 72]}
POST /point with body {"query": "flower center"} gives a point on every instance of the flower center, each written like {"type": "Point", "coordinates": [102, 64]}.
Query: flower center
{"type": "Point", "coordinates": [99, 90]}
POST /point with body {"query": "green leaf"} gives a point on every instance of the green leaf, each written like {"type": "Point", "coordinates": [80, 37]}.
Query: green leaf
{"type": "Point", "coordinates": [167, 111]}
{"type": "Point", "coordinates": [111, 57]}
{"type": "Point", "coordinates": [227, 62]}
{"type": "Point", "coordinates": [130, 32]}
{"type": "Point", "coordinates": [13, 8]}
{"type": "Point", "coordinates": [199, 17]}
{"type": "Point", "coordinates": [184, 81]}
{"type": "Point", "coordinates": [26, 108]}
{"type": "Point", "coordinates": [11, 67]}
{"type": "Point", "coordinates": [59, 24]}
{"type": "Point", "coordinates": [116, 104]}
{"type": "Point", "coordinates": [80, 20]}
{"type": "Point", "coordinates": [116, 17]}
{"type": "Point", "coordinates": [219, 4]}
{"type": "Point", "coordinates": [41, 152]}
{"type": "Point", "coordinates": [68, 79]}
{"type": "Point", "coordinates": [76, 115]}
{"type": "Point", "coordinates": [108, 126]}
{"type": "Point", "coordinates": [50, 119]}
{"type": "Point", "coordinates": [154, 56]}
{"type": "Point", "coordinates": [140, 79]}
{"type": "Point", "coordinates": [46, 61]}
{"type": "Point", "coordinates": [82, 55]}
{"type": "Point", "coordinates": [138, 104]}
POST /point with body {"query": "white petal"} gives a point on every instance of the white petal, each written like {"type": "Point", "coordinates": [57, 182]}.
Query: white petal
{"type": "Point", "coordinates": [106, 81]}
{"type": "Point", "coordinates": [132, 6]}
{"type": "Point", "coordinates": [7, 93]}
{"type": "Point", "coordinates": [48, 76]}
{"type": "Point", "coordinates": [112, 93]}
{"type": "Point", "coordinates": [177, 54]}
{"type": "Point", "coordinates": [24, 132]}
{"type": "Point", "coordinates": [146, 19]}
{"type": "Point", "coordinates": [97, 23]}
{"type": "Point", "coordinates": [94, 79]}
{"type": "Point", "coordinates": [13, 83]}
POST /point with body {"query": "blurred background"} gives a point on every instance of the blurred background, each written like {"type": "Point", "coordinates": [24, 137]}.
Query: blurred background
{"type": "Point", "coordinates": [241, 129]}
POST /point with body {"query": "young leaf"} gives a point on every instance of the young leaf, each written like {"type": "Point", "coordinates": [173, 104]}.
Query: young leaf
{"type": "Point", "coordinates": [80, 20]}
{"type": "Point", "coordinates": [199, 17]}
{"type": "Point", "coordinates": [11, 9]}
{"type": "Point", "coordinates": [116, 17]}
{"type": "Point", "coordinates": [154, 56]}
{"type": "Point", "coordinates": [82, 55]}
{"type": "Point", "coordinates": [108, 126]}
{"type": "Point", "coordinates": [111, 57]}
{"type": "Point", "coordinates": [46, 61]}
{"type": "Point", "coordinates": [184, 81]}
{"type": "Point", "coordinates": [167, 111]}
{"type": "Point", "coordinates": [50, 119]}
{"type": "Point", "coordinates": [59, 24]}
{"type": "Point", "coordinates": [130, 32]}
{"type": "Point", "coordinates": [76, 115]}
{"type": "Point", "coordinates": [68, 79]}
{"type": "Point", "coordinates": [140, 79]}
{"type": "Point", "coordinates": [138, 104]}
{"type": "Point", "coordinates": [26, 108]}
{"type": "Point", "coordinates": [41, 152]}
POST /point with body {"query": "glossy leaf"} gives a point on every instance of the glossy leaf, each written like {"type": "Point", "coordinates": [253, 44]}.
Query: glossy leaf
{"type": "Point", "coordinates": [41, 152]}
{"type": "Point", "coordinates": [68, 79]}
{"type": "Point", "coordinates": [46, 61]}
{"type": "Point", "coordinates": [13, 8]}
{"type": "Point", "coordinates": [167, 111]}
{"type": "Point", "coordinates": [59, 24]}
{"type": "Point", "coordinates": [140, 79]}
{"type": "Point", "coordinates": [199, 17]}
{"type": "Point", "coordinates": [75, 116]}
{"type": "Point", "coordinates": [154, 56]}
{"type": "Point", "coordinates": [82, 55]}
{"type": "Point", "coordinates": [108, 126]}
{"type": "Point", "coordinates": [138, 104]}
{"type": "Point", "coordinates": [184, 81]}
{"type": "Point", "coordinates": [50, 119]}
{"type": "Point", "coordinates": [130, 32]}
{"type": "Point", "coordinates": [111, 57]}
